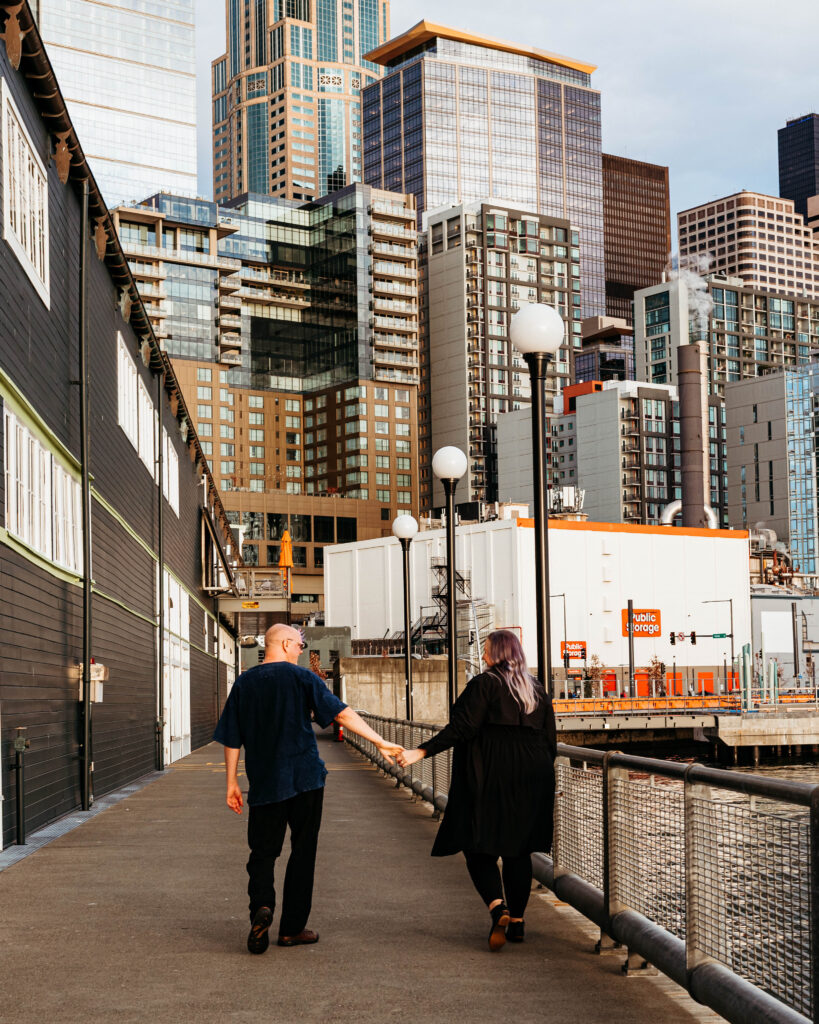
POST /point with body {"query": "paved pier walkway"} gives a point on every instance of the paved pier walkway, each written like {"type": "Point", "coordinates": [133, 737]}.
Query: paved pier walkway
{"type": "Point", "coordinates": [140, 915]}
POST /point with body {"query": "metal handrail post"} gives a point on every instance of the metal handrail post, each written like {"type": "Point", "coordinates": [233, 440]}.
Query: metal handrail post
{"type": "Point", "coordinates": [692, 791]}
{"type": "Point", "coordinates": [814, 900]}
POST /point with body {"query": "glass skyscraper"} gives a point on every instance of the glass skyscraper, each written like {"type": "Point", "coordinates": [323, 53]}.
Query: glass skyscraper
{"type": "Point", "coordinates": [128, 75]}
{"type": "Point", "coordinates": [799, 161]}
{"type": "Point", "coordinates": [287, 95]}
{"type": "Point", "coordinates": [462, 118]}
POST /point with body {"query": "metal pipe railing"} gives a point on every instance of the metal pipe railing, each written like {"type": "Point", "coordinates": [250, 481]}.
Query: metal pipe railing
{"type": "Point", "coordinates": [710, 875]}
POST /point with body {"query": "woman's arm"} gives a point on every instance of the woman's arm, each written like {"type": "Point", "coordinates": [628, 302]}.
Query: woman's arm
{"type": "Point", "coordinates": [465, 719]}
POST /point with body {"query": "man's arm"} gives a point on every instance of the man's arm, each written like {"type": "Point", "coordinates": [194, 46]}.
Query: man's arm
{"type": "Point", "coordinates": [351, 720]}
{"type": "Point", "coordinates": [234, 794]}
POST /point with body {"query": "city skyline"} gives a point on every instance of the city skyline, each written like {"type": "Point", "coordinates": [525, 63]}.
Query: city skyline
{"type": "Point", "coordinates": [663, 62]}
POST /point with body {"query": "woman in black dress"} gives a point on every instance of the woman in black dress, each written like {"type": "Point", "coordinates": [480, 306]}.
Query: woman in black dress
{"type": "Point", "coordinates": [501, 795]}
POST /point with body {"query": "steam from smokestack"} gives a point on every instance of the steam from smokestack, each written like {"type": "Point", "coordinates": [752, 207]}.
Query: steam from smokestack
{"type": "Point", "coordinates": [689, 270]}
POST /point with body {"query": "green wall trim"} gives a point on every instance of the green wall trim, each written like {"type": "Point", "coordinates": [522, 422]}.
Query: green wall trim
{"type": "Point", "coordinates": [39, 560]}
{"type": "Point", "coordinates": [121, 604]}
{"type": "Point", "coordinates": [123, 522]}
{"type": "Point", "coordinates": [22, 408]}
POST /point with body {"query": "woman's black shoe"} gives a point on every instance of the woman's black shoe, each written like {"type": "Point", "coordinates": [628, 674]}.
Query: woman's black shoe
{"type": "Point", "coordinates": [514, 931]}
{"type": "Point", "coordinates": [497, 935]}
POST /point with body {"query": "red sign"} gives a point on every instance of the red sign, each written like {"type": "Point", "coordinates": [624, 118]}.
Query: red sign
{"type": "Point", "coordinates": [646, 622]}
{"type": "Point", "coordinates": [574, 648]}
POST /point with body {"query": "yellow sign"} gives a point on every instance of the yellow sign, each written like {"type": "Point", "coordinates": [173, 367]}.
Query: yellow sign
{"type": "Point", "coordinates": [250, 604]}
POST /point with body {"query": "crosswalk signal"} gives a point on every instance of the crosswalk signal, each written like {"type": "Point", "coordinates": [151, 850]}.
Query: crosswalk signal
{"type": "Point", "coordinates": [673, 639]}
{"type": "Point", "coordinates": [693, 637]}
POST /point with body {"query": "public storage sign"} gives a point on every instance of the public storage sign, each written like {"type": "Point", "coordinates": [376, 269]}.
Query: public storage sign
{"type": "Point", "coordinates": [646, 622]}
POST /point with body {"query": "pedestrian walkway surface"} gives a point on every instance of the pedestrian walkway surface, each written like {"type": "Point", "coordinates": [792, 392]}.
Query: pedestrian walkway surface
{"type": "Point", "coordinates": [141, 915]}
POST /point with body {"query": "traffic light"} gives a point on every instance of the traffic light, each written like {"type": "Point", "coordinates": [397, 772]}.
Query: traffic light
{"type": "Point", "coordinates": [673, 639]}
{"type": "Point", "coordinates": [693, 638]}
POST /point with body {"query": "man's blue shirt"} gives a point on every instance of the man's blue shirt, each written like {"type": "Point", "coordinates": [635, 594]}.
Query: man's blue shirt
{"type": "Point", "coordinates": [268, 713]}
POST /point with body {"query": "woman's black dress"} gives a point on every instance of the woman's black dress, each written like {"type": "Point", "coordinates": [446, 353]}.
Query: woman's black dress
{"type": "Point", "coordinates": [501, 794]}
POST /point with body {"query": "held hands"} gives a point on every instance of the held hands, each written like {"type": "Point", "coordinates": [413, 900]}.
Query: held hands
{"type": "Point", "coordinates": [234, 797]}
{"type": "Point", "coordinates": [408, 757]}
{"type": "Point", "coordinates": [389, 751]}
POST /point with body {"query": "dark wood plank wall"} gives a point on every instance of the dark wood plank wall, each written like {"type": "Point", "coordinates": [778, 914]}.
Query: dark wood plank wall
{"type": "Point", "coordinates": [41, 614]}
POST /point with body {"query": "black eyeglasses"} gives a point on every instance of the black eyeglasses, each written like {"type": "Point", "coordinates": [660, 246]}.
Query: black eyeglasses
{"type": "Point", "coordinates": [301, 643]}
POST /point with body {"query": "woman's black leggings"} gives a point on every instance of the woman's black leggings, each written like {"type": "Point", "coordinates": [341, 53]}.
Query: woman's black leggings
{"type": "Point", "coordinates": [517, 879]}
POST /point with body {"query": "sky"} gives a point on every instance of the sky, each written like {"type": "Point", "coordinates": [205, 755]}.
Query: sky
{"type": "Point", "coordinates": [698, 85]}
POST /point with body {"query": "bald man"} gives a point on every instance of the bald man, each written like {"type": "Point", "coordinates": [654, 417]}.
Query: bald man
{"type": "Point", "coordinates": [268, 713]}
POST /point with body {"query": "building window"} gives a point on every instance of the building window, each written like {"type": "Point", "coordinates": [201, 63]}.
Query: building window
{"type": "Point", "coordinates": [170, 476]}
{"type": "Point", "coordinates": [42, 499]}
{"type": "Point", "coordinates": [135, 410]}
{"type": "Point", "coordinates": [25, 197]}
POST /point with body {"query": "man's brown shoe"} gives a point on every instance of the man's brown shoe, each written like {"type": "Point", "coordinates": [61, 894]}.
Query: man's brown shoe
{"type": "Point", "coordinates": [304, 938]}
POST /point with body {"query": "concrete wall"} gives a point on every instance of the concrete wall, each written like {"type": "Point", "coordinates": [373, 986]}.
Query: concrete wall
{"type": "Point", "coordinates": [514, 439]}
{"type": "Point", "coordinates": [598, 566]}
{"type": "Point", "coordinates": [598, 454]}
{"type": "Point", "coordinates": [768, 395]}
{"type": "Point", "coordinates": [448, 356]}
{"type": "Point", "coordinates": [377, 685]}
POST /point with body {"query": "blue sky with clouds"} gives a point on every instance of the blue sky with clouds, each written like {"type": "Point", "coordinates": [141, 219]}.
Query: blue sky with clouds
{"type": "Point", "coordinates": [699, 85]}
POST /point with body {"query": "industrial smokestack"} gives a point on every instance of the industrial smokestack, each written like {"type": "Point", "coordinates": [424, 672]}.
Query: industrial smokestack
{"type": "Point", "coordinates": [689, 375]}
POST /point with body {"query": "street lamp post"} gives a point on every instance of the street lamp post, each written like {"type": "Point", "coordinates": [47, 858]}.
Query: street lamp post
{"type": "Point", "coordinates": [730, 602]}
{"type": "Point", "coordinates": [449, 465]}
{"type": "Point", "coordinates": [565, 643]}
{"type": "Point", "coordinates": [537, 332]}
{"type": "Point", "coordinates": [404, 527]}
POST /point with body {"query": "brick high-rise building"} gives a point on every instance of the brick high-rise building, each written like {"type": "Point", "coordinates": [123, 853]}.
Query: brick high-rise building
{"type": "Point", "coordinates": [758, 238]}
{"type": "Point", "coordinates": [287, 95]}
{"type": "Point", "coordinates": [637, 229]}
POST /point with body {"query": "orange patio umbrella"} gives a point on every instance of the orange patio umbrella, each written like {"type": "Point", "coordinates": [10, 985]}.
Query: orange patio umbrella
{"type": "Point", "coordinates": [286, 559]}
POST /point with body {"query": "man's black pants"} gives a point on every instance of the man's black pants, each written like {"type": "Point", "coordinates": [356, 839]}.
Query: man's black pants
{"type": "Point", "coordinates": [265, 837]}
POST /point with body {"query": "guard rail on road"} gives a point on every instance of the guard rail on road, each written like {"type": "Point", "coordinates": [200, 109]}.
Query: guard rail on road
{"type": "Point", "coordinates": [675, 705]}
{"type": "Point", "coordinates": [710, 875]}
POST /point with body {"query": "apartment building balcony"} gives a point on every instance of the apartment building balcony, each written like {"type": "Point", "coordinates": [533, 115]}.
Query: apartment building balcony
{"type": "Point", "coordinates": [230, 300]}
{"type": "Point", "coordinates": [230, 283]}
{"type": "Point", "coordinates": [394, 305]}
{"type": "Point", "coordinates": [267, 297]}
{"type": "Point", "coordinates": [229, 357]}
{"type": "Point", "coordinates": [395, 376]}
{"type": "Point", "coordinates": [387, 229]}
{"type": "Point", "coordinates": [394, 341]}
{"type": "Point", "coordinates": [229, 321]}
{"type": "Point", "coordinates": [147, 272]}
{"type": "Point", "coordinates": [394, 270]}
{"type": "Point", "coordinates": [393, 323]}
{"type": "Point", "coordinates": [402, 252]}
{"type": "Point", "coordinates": [281, 277]}
{"type": "Point", "coordinates": [630, 429]}
{"type": "Point", "coordinates": [230, 340]}
{"type": "Point", "coordinates": [388, 209]}
{"type": "Point", "coordinates": [394, 358]}
{"type": "Point", "coordinates": [389, 287]}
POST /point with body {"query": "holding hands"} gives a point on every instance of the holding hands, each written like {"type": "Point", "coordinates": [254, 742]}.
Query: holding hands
{"type": "Point", "coordinates": [389, 751]}
{"type": "Point", "coordinates": [407, 757]}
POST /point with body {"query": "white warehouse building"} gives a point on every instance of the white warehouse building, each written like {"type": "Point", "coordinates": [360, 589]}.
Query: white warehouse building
{"type": "Point", "coordinates": [669, 573]}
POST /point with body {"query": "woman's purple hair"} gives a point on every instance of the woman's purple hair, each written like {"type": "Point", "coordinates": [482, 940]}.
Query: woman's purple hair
{"type": "Point", "coordinates": [505, 650]}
